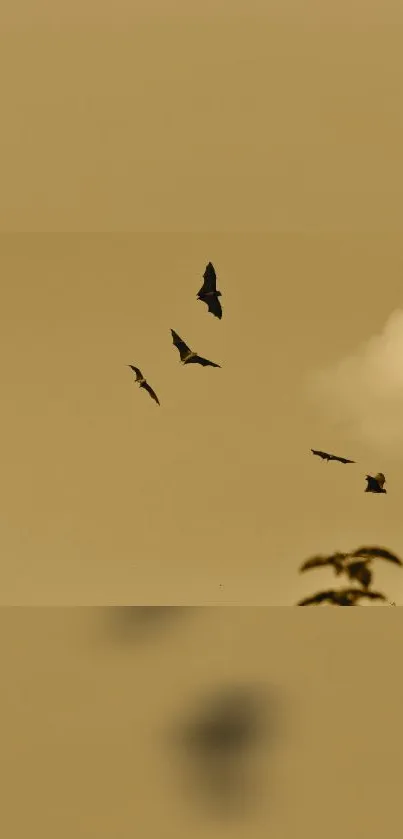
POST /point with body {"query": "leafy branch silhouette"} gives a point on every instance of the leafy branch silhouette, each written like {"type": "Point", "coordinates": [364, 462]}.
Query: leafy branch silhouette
{"type": "Point", "coordinates": [356, 566]}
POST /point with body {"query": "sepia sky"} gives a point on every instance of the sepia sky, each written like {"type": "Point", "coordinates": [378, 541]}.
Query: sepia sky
{"type": "Point", "coordinates": [106, 497]}
{"type": "Point", "coordinates": [136, 146]}
{"type": "Point", "coordinates": [159, 117]}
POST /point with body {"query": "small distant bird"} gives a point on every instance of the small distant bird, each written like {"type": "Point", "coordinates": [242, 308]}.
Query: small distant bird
{"type": "Point", "coordinates": [141, 381]}
{"type": "Point", "coordinates": [208, 292]}
{"type": "Point", "coordinates": [187, 356]}
{"type": "Point", "coordinates": [343, 597]}
{"type": "Point", "coordinates": [326, 456]}
{"type": "Point", "coordinates": [375, 484]}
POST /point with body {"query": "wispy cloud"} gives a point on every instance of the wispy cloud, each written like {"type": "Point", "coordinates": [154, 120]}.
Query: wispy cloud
{"type": "Point", "coordinates": [364, 390]}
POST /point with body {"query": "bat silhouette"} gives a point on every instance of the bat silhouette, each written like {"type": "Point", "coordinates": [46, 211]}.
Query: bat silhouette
{"type": "Point", "coordinates": [208, 293]}
{"type": "Point", "coordinates": [375, 484]}
{"type": "Point", "coordinates": [377, 553]}
{"type": "Point", "coordinates": [143, 383]}
{"type": "Point", "coordinates": [326, 456]}
{"type": "Point", "coordinates": [343, 597]}
{"type": "Point", "coordinates": [187, 356]}
{"type": "Point", "coordinates": [336, 560]}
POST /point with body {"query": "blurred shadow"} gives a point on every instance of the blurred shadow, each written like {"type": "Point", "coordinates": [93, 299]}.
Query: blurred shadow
{"type": "Point", "coordinates": [221, 742]}
{"type": "Point", "coordinates": [135, 624]}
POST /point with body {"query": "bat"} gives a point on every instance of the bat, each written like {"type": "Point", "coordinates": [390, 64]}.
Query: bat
{"type": "Point", "coordinates": [208, 293]}
{"type": "Point", "coordinates": [187, 356]}
{"type": "Point", "coordinates": [377, 553]}
{"type": "Point", "coordinates": [336, 560]}
{"type": "Point", "coordinates": [343, 597]}
{"type": "Point", "coordinates": [143, 383]}
{"type": "Point", "coordinates": [326, 456]}
{"type": "Point", "coordinates": [375, 484]}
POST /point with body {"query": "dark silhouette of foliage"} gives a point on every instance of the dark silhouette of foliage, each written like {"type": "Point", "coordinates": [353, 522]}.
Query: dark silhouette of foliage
{"type": "Point", "coordinates": [355, 565]}
{"type": "Point", "coordinates": [343, 597]}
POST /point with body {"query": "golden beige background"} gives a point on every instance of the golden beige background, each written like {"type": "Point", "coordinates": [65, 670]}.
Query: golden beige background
{"type": "Point", "coordinates": [139, 141]}
{"type": "Point", "coordinates": [163, 116]}
{"type": "Point", "coordinates": [182, 123]}
{"type": "Point", "coordinates": [214, 497]}
{"type": "Point", "coordinates": [85, 721]}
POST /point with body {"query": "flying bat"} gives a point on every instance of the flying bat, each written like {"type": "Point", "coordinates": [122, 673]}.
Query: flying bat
{"type": "Point", "coordinates": [343, 597]}
{"type": "Point", "coordinates": [208, 293]}
{"type": "Point", "coordinates": [143, 383]}
{"type": "Point", "coordinates": [187, 356]}
{"type": "Point", "coordinates": [375, 484]}
{"type": "Point", "coordinates": [326, 456]}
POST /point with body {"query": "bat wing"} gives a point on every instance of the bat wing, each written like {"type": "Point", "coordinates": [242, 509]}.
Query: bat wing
{"type": "Point", "coordinates": [372, 484]}
{"type": "Point", "coordinates": [197, 359]}
{"type": "Point", "coordinates": [214, 305]}
{"type": "Point", "coordinates": [179, 344]}
{"type": "Point", "coordinates": [152, 392]}
{"type": "Point", "coordinates": [137, 372]}
{"type": "Point", "coordinates": [210, 279]}
{"type": "Point", "coordinates": [323, 455]}
{"type": "Point", "coordinates": [376, 553]}
{"type": "Point", "coordinates": [342, 459]}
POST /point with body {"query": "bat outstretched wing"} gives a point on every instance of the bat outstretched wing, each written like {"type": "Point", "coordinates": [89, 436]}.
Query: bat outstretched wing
{"type": "Point", "coordinates": [203, 361]}
{"type": "Point", "coordinates": [323, 455]}
{"type": "Point", "coordinates": [137, 372]}
{"type": "Point", "coordinates": [372, 484]}
{"type": "Point", "coordinates": [214, 305]}
{"type": "Point", "coordinates": [180, 345]}
{"type": "Point", "coordinates": [210, 279]}
{"type": "Point", "coordinates": [152, 392]}
{"type": "Point", "coordinates": [341, 459]}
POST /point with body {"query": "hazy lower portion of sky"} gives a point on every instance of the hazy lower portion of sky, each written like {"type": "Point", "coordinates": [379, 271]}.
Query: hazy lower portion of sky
{"type": "Point", "coordinates": [215, 721]}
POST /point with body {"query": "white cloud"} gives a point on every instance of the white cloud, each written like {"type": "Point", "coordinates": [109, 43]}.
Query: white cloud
{"type": "Point", "coordinates": [364, 390]}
